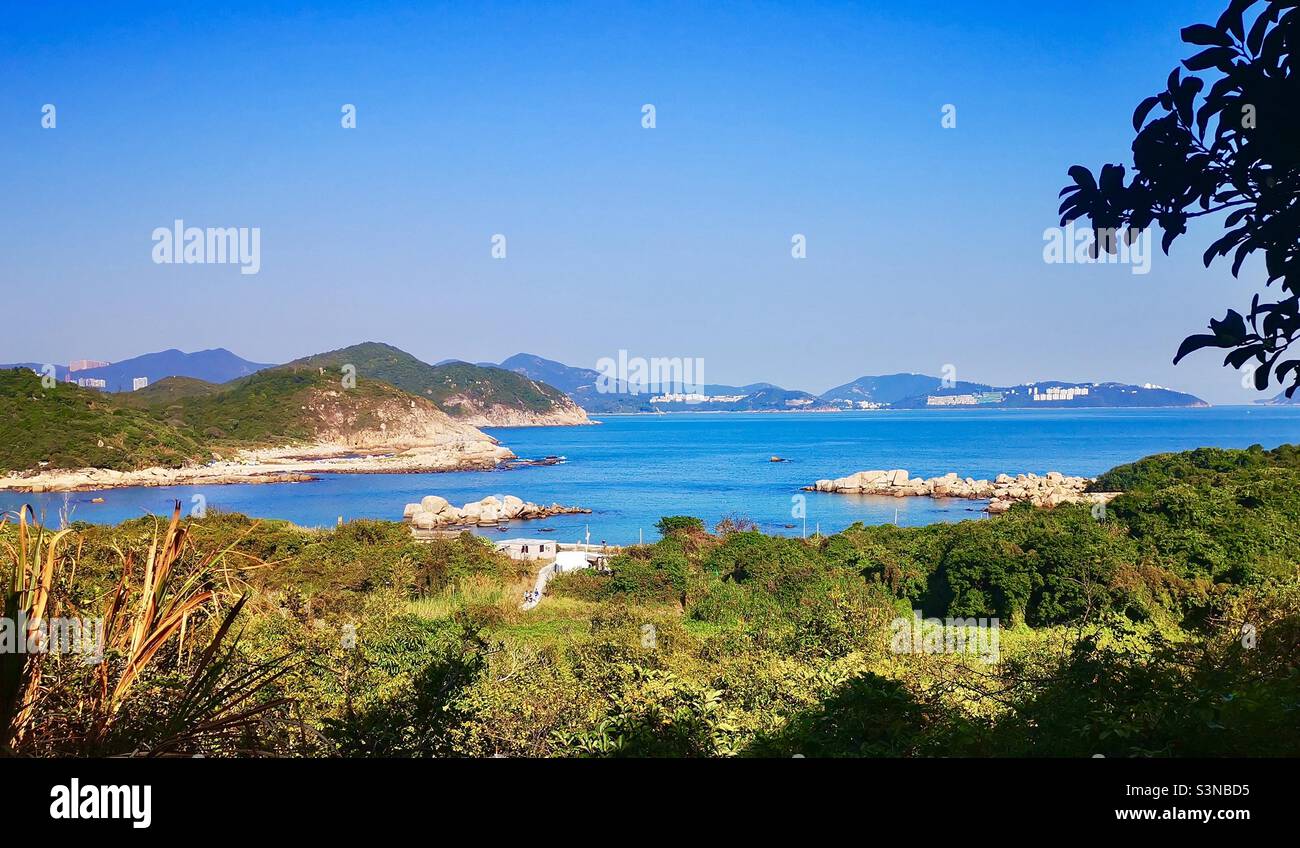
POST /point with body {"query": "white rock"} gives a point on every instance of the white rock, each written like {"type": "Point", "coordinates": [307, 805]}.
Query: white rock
{"type": "Point", "coordinates": [433, 503]}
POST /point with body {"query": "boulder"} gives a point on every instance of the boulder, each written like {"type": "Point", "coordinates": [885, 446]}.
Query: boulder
{"type": "Point", "coordinates": [411, 509]}
{"type": "Point", "coordinates": [512, 506]}
{"type": "Point", "coordinates": [847, 484]}
{"type": "Point", "coordinates": [433, 503]}
{"type": "Point", "coordinates": [425, 520]}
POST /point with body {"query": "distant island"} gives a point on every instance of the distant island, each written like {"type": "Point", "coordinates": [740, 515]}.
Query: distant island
{"type": "Point", "coordinates": [890, 391]}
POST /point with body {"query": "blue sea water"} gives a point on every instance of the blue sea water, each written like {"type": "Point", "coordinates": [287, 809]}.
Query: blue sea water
{"type": "Point", "coordinates": [631, 470]}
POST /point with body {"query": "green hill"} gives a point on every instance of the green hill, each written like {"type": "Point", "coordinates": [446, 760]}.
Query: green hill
{"type": "Point", "coordinates": [460, 389]}
{"type": "Point", "coordinates": [288, 404]}
{"type": "Point", "coordinates": [71, 427]}
{"type": "Point", "coordinates": [185, 420]}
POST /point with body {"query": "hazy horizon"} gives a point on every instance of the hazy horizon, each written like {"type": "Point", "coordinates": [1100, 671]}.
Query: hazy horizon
{"type": "Point", "coordinates": [924, 243]}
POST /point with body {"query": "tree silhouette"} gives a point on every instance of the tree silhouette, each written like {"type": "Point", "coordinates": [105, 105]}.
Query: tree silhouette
{"type": "Point", "coordinates": [1236, 156]}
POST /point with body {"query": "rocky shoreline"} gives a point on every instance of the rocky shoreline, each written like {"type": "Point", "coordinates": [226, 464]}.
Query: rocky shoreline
{"type": "Point", "coordinates": [279, 465]}
{"type": "Point", "coordinates": [433, 512]}
{"type": "Point", "coordinates": [1045, 492]}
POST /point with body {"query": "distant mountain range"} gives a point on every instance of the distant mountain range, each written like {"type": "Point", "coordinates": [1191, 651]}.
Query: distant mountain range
{"type": "Point", "coordinates": [889, 391]}
{"type": "Point", "coordinates": [213, 366]}
{"type": "Point", "coordinates": [527, 389]}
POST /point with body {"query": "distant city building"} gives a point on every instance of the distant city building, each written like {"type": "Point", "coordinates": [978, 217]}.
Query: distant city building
{"type": "Point", "coordinates": [970, 399]}
{"type": "Point", "coordinates": [1058, 393]}
{"type": "Point", "coordinates": [694, 397]}
{"type": "Point", "coordinates": [1152, 386]}
{"type": "Point", "coordinates": [92, 383]}
{"type": "Point", "coordinates": [798, 401]}
{"type": "Point", "coordinates": [139, 383]}
{"type": "Point", "coordinates": [83, 364]}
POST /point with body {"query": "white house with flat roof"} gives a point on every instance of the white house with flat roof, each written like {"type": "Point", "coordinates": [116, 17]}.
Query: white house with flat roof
{"type": "Point", "coordinates": [528, 549]}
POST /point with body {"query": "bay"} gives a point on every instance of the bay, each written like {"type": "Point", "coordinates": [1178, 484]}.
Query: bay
{"type": "Point", "coordinates": [631, 470]}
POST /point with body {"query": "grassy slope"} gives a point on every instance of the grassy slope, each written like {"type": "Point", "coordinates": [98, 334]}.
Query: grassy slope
{"type": "Point", "coordinates": [72, 427]}
{"type": "Point", "coordinates": [271, 407]}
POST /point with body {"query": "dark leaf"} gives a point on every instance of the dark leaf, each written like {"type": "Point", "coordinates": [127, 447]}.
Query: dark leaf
{"type": "Point", "coordinates": [1195, 343]}
{"type": "Point", "coordinates": [1144, 108]}
{"type": "Point", "coordinates": [1214, 57]}
{"type": "Point", "coordinates": [1205, 35]}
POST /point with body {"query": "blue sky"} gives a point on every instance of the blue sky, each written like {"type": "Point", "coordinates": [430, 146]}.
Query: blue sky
{"type": "Point", "coordinates": [924, 243]}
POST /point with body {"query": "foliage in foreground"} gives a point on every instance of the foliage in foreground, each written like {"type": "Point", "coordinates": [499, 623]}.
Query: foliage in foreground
{"type": "Point", "coordinates": [1170, 627]}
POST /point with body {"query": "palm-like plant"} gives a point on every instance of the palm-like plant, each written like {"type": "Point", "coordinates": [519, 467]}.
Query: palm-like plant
{"type": "Point", "coordinates": [34, 561]}
{"type": "Point", "coordinates": [145, 629]}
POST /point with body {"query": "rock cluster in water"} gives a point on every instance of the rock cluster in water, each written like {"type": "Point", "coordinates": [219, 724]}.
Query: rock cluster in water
{"type": "Point", "coordinates": [432, 511]}
{"type": "Point", "coordinates": [1046, 492]}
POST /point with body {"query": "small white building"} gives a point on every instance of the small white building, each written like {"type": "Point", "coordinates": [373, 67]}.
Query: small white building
{"type": "Point", "coordinates": [528, 549]}
{"type": "Point", "coordinates": [139, 383]}
{"type": "Point", "coordinates": [566, 561]}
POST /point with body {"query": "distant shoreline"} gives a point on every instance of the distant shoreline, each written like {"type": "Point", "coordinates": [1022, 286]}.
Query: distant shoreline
{"type": "Point", "coordinates": [926, 409]}
{"type": "Point", "coordinates": [290, 467]}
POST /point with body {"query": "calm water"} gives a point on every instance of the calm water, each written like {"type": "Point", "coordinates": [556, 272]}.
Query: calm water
{"type": "Point", "coordinates": [631, 470]}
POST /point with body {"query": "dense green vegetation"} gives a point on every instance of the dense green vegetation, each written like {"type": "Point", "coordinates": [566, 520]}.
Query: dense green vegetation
{"type": "Point", "coordinates": [458, 388]}
{"type": "Point", "coordinates": [70, 427]}
{"type": "Point", "coordinates": [1168, 627]}
{"type": "Point", "coordinates": [276, 406]}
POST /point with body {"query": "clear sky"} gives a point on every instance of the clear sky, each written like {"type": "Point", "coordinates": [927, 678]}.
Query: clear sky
{"type": "Point", "coordinates": [924, 244]}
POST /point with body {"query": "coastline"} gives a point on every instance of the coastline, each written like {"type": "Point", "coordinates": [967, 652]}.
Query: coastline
{"type": "Point", "coordinates": [926, 409]}
{"type": "Point", "coordinates": [281, 465]}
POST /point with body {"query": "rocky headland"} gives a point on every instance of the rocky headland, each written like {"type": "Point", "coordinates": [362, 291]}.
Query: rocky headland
{"type": "Point", "coordinates": [433, 512]}
{"type": "Point", "coordinates": [1046, 492]}
{"type": "Point", "coordinates": [280, 465]}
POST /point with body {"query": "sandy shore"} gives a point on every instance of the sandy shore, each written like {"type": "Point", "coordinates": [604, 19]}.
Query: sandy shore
{"type": "Point", "coordinates": [280, 465]}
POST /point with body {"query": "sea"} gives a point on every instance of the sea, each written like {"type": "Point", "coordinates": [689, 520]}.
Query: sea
{"type": "Point", "coordinates": [631, 470]}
